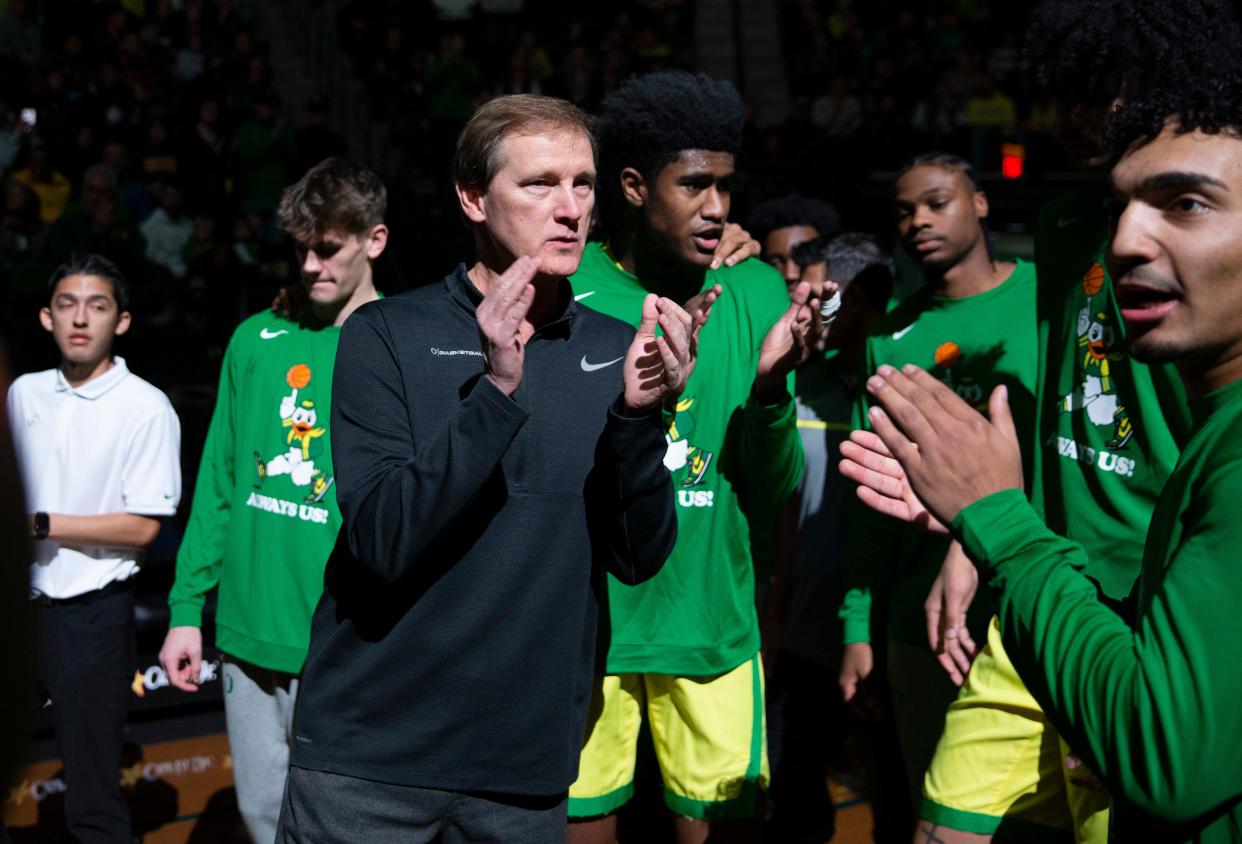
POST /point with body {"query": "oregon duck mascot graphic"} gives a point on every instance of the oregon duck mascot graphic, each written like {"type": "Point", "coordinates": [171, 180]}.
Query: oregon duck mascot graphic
{"type": "Point", "coordinates": [681, 453]}
{"type": "Point", "coordinates": [301, 436]}
{"type": "Point", "coordinates": [1096, 391]}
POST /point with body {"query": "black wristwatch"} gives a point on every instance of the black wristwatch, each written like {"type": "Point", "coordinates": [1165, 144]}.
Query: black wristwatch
{"type": "Point", "coordinates": [42, 525]}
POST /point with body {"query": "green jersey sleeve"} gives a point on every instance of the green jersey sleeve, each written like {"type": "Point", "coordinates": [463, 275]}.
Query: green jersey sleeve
{"type": "Point", "coordinates": [1151, 708]}
{"type": "Point", "coordinates": [202, 548]}
{"type": "Point", "coordinates": [868, 549]}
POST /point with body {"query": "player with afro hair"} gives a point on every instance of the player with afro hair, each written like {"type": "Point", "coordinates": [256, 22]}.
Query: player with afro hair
{"type": "Point", "coordinates": [781, 224]}
{"type": "Point", "coordinates": [650, 119]}
{"type": "Point", "coordinates": [684, 647]}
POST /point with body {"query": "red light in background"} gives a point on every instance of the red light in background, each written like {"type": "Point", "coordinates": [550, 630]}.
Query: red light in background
{"type": "Point", "coordinates": [1013, 160]}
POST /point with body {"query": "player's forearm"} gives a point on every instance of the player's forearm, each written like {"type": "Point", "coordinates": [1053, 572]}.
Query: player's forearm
{"type": "Point", "coordinates": [632, 496]}
{"type": "Point", "coordinates": [1102, 681]}
{"type": "Point", "coordinates": [396, 505]}
{"type": "Point", "coordinates": [119, 529]}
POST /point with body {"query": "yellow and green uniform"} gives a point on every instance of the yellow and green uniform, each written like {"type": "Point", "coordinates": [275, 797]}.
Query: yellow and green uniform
{"type": "Point", "coordinates": [973, 345]}
{"type": "Point", "coordinates": [264, 516]}
{"type": "Point", "coordinates": [734, 462]}
{"type": "Point", "coordinates": [1109, 430]}
{"type": "Point", "coordinates": [1150, 705]}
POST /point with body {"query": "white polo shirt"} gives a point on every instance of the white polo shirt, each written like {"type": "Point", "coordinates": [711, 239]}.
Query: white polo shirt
{"type": "Point", "coordinates": [111, 445]}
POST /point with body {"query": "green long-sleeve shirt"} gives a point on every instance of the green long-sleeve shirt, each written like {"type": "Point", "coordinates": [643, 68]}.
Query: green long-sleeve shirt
{"type": "Point", "coordinates": [1109, 427]}
{"type": "Point", "coordinates": [264, 517]}
{"type": "Point", "coordinates": [1155, 708]}
{"type": "Point", "coordinates": [734, 462]}
{"type": "Point", "coordinates": [973, 345]}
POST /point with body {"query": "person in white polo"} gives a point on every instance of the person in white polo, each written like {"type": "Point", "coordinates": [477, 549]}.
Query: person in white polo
{"type": "Point", "coordinates": [99, 452]}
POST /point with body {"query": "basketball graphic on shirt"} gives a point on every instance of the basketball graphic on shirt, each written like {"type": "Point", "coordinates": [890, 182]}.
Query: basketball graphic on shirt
{"type": "Point", "coordinates": [302, 436]}
{"type": "Point", "coordinates": [298, 376]}
{"type": "Point", "coordinates": [948, 354]}
{"type": "Point", "coordinates": [1093, 280]}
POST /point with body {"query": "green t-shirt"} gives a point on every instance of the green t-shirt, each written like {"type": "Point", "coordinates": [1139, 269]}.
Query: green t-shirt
{"type": "Point", "coordinates": [1151, 706]}
{"type": "Point", "coordinates": [734, 462]}
{"type": "Point", "coordinates": [1110, 428]}
{"type": "Point", "coordinates": [973, 345]}
{"type": "Point", "coordinates": [264, 517]}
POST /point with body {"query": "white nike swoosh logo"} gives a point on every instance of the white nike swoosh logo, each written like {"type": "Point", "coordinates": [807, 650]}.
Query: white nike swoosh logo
{"type": "Point", "coordinates": [1062, 222]}
{"type": "Point", "coordinates": [897, 335]}
{"type": "Point", "coordinates": [591, 367]}
{"type": "Point", "coordinates": [271, 335]}
{"type": "Point", "coordinates": [582, 296]}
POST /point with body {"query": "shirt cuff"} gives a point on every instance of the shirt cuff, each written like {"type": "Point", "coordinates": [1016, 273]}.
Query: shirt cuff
{"type": "Point", "coordinates": [771, 414]}
{"type": "Point", "coordinates": [995, 529]}
{"type": "Point", "coordinates": [486, 389]}
{"type": "Point", "coordinates": [153, 509]}
{"type": "Point", "coordinates": [186, 615]}
{"type": "Point", "coordinates": [855, 616]}
{"type": "Point", "coordinates": [628, 431]}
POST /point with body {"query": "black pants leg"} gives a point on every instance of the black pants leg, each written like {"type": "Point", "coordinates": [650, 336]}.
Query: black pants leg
{"type": "Point", "coordinates": [86, 663]}
{"type": "Point", "coordinates": [319, 806]}
{"type": "Point", "coordinates": [811, 725]}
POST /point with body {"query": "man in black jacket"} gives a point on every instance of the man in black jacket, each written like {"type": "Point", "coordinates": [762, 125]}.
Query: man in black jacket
{"type": "Point", "coordinates": [496, 447]}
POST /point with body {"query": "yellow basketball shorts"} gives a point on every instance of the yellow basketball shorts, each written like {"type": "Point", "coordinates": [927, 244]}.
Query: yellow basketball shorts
{"type": "Point", "coordinates": [710, 741]}
{"type": "Point", "coordinates": [1000, 765]}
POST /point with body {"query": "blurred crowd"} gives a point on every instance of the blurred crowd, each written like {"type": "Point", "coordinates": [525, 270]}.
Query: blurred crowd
{"type": "Point", "coordinates": [153, 131]}
{"type": "Point", "coordinates": [873, 83]}
{"type": "Point", "coordinates": [423, 68]}
{"type": "Point", "coordinates": [150, 133]}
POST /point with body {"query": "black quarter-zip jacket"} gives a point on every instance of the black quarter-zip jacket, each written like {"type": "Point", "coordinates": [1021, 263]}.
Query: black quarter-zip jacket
{"type": "Point", "coordinates": [454, 644]}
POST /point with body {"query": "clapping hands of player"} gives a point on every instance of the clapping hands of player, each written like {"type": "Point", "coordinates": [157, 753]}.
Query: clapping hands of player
{"type": "Point", "coordinates": [882, 483]}
{"type": "Point", "coordinates": [500, 316]}
{"type": "Point", "coordinates": [939, 454]}
{"type": "Point", "coordinates": [656, 367]}
{"type": "Point", "coordinates": [788, 343]}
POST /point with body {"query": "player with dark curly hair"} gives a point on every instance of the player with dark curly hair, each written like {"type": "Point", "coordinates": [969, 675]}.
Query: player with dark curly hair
{"type": "Point", "coordinates": [1146, 696]}
{"type": "Point", "coordinates": [1108, 431]}
{"type": "Point", "coordinates": [1089, 54]}
{"type": "Point", "coordinates": [781, 224]}
{"type": "Point", "coordinates": [683, 648]}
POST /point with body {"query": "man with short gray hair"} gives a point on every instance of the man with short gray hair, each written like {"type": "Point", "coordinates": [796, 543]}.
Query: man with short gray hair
{"type": "Point", "coordinates": [498, 448]}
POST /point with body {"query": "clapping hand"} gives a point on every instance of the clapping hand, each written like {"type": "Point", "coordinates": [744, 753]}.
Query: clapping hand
{"type": "Point", "coordinates": [951, 454]}
{"type": "Point", "coordinates": [788, 342]}
{"type": "Point", "coordinates": [500, 317]}
{"type": "Point", "coordinates": [656, 368]}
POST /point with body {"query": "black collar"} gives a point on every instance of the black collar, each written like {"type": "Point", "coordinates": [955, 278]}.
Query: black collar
{"type": "Point", "coordinates": [463, 291]}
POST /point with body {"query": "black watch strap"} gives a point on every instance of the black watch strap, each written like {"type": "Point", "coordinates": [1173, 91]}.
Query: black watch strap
{"type": "Point", "coordinates": [42, 524]}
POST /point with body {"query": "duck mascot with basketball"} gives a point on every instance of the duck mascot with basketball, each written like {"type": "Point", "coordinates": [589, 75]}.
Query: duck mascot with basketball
{"type": "Point", "coordinates": [300, 432]}
{"type": "Point", "coordinates": [1097, 392]}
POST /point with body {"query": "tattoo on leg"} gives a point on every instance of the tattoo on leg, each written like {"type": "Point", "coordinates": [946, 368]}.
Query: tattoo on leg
{"type": "Point", "coordinates": [929, 834]}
